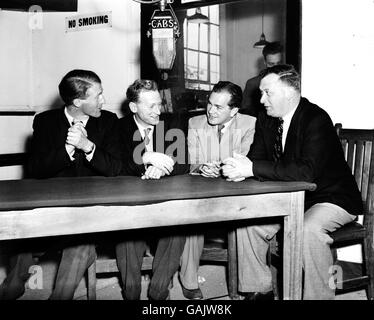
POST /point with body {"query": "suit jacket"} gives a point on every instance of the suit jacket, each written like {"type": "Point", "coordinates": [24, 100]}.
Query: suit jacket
{"type": "Point", "coordinates": [49, 157]}
{"type": "Point", "coordinates": [204, 145]}
{"type": "Point", "coordinates": [165, 140]}
{"type": "Point", "coordinates": [312, 153]}
{"type": "Point", "coordinates": [251, 104]}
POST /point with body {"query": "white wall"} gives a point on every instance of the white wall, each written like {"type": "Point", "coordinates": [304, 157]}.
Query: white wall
{"type": "Point", "coordinates": [240, 29]}
{"type": "Point", "coordinates": [337, 59]}
{"type": "Point", "coordinates": [33, 61]}
{"type": "Point", "coordinates": [15, 57]}
{"type": "Point", "coordinates": [338, 63]}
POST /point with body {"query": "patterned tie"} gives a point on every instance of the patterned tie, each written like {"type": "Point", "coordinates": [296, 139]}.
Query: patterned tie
{"type": "Point", "coordinates": [220, 133]}
{"type": "Point", "coordinates": [146, 136]}
{"type": "Point", "coordinates": [278, 149]}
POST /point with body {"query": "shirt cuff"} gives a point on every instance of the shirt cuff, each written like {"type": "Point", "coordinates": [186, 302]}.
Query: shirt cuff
{"type": "Point", "coordinates": [70, 151]}
{"type": "Point", "coordinates": [90, 154]}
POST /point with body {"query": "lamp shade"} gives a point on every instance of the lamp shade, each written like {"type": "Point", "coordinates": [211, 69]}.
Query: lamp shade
{"type": "Point", "coordinates": [198, 17]}
{"type": "Point", "coordinates": [261, 43]}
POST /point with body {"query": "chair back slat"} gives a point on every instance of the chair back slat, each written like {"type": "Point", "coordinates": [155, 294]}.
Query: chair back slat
{"type": "Point", "coordinates": [366, 169]}
{"type": "Point", "coordinates": [359, 153]}
{"type": "Point", "coordinates": [351, 154]}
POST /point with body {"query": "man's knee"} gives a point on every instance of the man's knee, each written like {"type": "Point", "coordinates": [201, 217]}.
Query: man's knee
{"type": "Point", "coordinates": [82, 252]}
{"type": "Point", "coordinates": [313, 231]}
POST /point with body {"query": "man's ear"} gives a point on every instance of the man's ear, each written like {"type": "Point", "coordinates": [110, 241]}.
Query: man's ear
{"type": "Point", "coordinates": [234, 111]}
{"type": "Point", "coordinates": [133, 107]}
{"type": "Point", "coordinates": [288, 92]}
{"type": "Point", "coordinates": [77, 102]}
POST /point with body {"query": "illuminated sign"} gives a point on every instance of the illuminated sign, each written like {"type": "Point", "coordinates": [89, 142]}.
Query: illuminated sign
{"type": "Point", "coordinates": [164, 29]}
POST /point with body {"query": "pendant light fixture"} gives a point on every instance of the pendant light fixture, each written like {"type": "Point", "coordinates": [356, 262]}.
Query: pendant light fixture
{"type": "Point", "coordinates": [198, 17]}
{"type": "Point", "coordinates": [262, 42]}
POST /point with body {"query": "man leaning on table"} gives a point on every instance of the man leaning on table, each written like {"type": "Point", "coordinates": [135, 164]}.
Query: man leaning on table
{"type": "Point", "coordinates": [295, 140]}
{"type": "Point", "coordinates": [212, 138]}
{"type": "Point", "coordinates": [145, 142]}
{"type": "Point", "coordinates": [79, 139]}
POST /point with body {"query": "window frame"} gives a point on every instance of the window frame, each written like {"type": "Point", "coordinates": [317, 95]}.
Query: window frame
{"type": "Point", "coordinates": [209, 53]}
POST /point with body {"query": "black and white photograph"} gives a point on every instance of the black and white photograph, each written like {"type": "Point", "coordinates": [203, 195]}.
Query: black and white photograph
{"type": "Point", "coordinates": [200, 153]}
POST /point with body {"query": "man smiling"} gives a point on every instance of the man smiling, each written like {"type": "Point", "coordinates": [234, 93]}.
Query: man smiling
{"type": "Point", "coordinates": [211, 139]}
{"type": "Point", "coordinates": [79, 139]}
{"type": "Point", "coordinates": [295, 140]}
{"type": "Point", "coordinates": [143, 143]}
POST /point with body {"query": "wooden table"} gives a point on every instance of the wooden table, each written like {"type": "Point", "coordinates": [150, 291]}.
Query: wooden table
{"type": "Point", "coordinates": [62, 206]}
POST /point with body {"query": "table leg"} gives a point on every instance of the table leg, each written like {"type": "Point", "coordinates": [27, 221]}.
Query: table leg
{"type": "Point", "coordinates": [292, 251]}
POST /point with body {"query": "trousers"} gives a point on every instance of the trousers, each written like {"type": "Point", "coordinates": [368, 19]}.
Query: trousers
{"type": "Point", "coordinates": [76, 257]}
{"type": "Point", "coordinates": [319, 220]}
{"type": "Point", "coordinates": [130, 254]}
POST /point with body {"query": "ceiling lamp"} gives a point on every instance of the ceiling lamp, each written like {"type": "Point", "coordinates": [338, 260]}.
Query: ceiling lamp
{"type": "Point", "coordinates": [262, 42]}
{"type": "Point", "coordinates": [198, 17]}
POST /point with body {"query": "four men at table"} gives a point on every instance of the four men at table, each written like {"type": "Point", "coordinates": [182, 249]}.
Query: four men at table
{"type": "Point", "coordinates": [293, 140]}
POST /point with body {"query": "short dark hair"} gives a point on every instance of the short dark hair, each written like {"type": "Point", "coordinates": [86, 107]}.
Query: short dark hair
{"type": "Point", "coordinates": [76, 83]}
{"type": "Point", "coordinates": [233, 89]}
{"type": "Point", "coordinates": [133, 91]}
{"type": "Point", "coordinates": [287, 74]}
{"type": "Point", "coordinates": [272, 48]}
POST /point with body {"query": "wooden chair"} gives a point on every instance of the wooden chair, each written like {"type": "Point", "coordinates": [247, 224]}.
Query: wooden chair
{"type": "Point", "coordinates": [214, 252]}
{"type": "Point", "coordinates": [358, 146]}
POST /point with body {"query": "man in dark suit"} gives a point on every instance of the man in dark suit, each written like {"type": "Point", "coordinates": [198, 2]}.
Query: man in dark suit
{"type": "Point", "coordinates": [79, 139]}
{"type": "Point", "coordinates": [251, 105]}
{"type": "Point", "coordinates": [148, 153]}
{"type": "Point", "coordinates": [295, 140]}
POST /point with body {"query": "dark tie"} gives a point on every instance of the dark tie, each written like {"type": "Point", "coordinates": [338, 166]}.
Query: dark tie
{"type": "Point", "coordinates": [220, 133]}
{"type": "Point", "coordinates": [278, 149]}
{"type": "Point", "coordinates": [78, 153]}
{"type": "Point", "coordinates": [75, 121]}
{"type": "Point", "coordinates": [146, 136]}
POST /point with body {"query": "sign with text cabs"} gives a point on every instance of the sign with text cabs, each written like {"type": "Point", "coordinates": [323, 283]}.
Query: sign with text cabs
{"type": "Point", "coordinates": [88, 21]}
{"type": "Point", "coordinates": [164, 29]}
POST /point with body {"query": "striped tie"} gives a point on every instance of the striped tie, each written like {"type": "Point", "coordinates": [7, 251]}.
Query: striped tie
{"type": "Point", "coordinates": [146, 136]}
{"type": "Point", "coordinates": [278, 149]}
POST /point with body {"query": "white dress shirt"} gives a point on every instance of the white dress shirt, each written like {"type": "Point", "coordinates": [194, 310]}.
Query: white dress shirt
{"type": "Point", "coordinates": [142, 129]}
{"type": "Point", "coordinates": [286, 125]}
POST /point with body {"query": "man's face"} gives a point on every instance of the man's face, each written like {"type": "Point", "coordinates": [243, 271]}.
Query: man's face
{"type": "Point", "coordinates": [274, 96]}
{"type": "Point", "coordinates": [272, 60]}
{"type": "Point", "coordinates": [218, 110]}
{"type": "Point", "coordinates": [94, 101]}
{"type": "Point", "coordinates": [148, 108]}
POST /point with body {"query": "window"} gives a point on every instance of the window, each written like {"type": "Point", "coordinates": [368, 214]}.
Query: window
{"type": "Point", "coordinates": [201, 50]}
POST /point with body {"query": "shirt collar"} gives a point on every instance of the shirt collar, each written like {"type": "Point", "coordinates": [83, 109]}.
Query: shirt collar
{"type": "Point", "coordinates": [226, 124]}
{"type": "Point", "coordinates": [143, 128]}
{"type": "Point", "coordinates": [71, 119]}
{"type": "Point", "coordinates": [287, 118]}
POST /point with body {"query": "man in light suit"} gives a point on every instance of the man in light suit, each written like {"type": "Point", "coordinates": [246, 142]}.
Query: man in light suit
{"type": "Point", "coordinates": [213, 137]}
{"type": "Point", "coordinates": [295, 140]}
{"type": "Point", "coordinates": [79, 139]}
{"type": "Point", "coordinates": [144, 154]}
